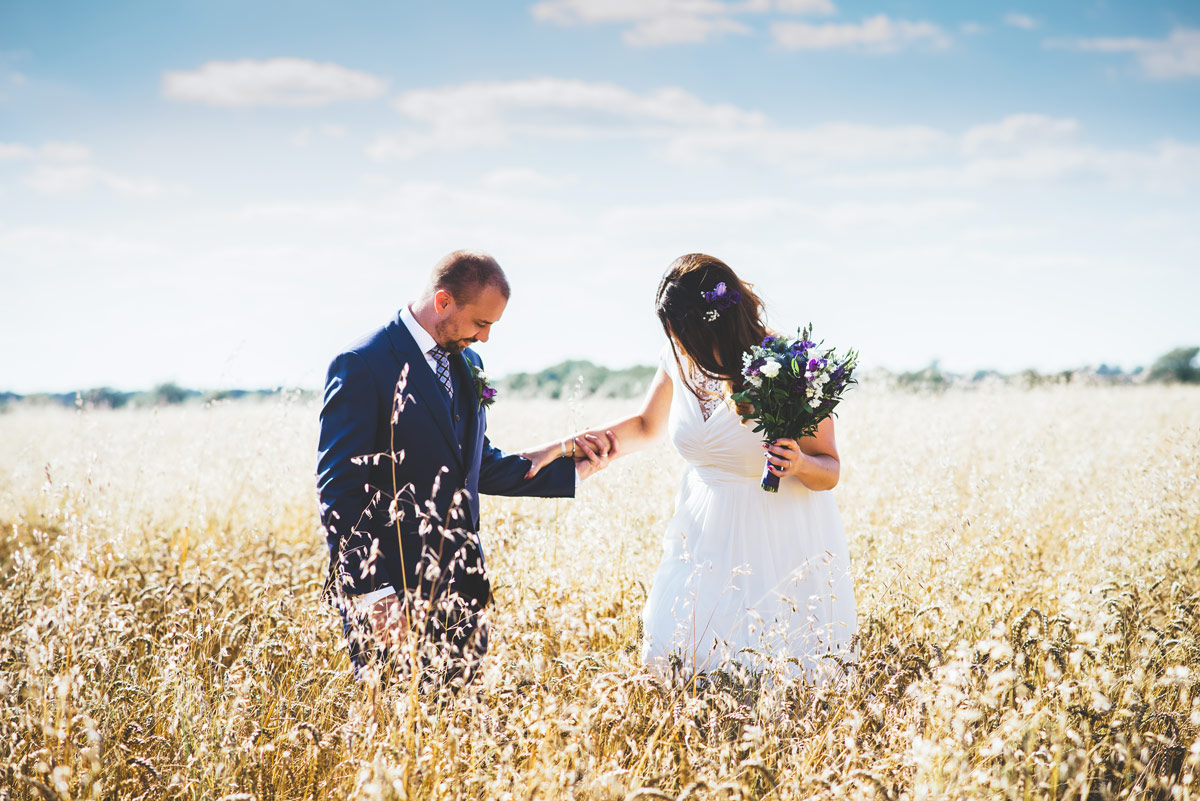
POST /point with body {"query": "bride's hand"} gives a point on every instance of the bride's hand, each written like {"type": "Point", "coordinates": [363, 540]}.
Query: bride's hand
{"type": "Point", "coordinates": [785, 457]}
{"type": "Point", "coordinates": [595, 452]}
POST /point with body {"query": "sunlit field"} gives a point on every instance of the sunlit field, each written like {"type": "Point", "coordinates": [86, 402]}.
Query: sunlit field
{"type": "Point", "coordinates": [1027, 567]}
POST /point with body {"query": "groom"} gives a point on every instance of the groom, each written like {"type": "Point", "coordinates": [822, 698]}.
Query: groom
{"type": "Point", "coordinates": [402, 460]}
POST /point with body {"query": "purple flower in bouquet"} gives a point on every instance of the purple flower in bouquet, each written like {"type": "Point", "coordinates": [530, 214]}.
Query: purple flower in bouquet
{"type": "Point", "coordinates": [801, 347]}
{"type": "Point", "coordinates": [792, 385]}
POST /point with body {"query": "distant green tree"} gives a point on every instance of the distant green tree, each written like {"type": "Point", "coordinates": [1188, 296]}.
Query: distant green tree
{"type": "Point", "coordinates": [566, 379]}
{"type": "Point", "coordinates": [104, 397]}
{"type": "Point", "coordinates": [168, 393]}
{"type": "Point", "coordinates": [1176, 365]}
{"type": "Point", "coordinates": [931, 377]}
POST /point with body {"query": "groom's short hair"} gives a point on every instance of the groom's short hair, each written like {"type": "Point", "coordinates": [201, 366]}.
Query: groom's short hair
{"type": "Point", "coordinates": [464, 274]}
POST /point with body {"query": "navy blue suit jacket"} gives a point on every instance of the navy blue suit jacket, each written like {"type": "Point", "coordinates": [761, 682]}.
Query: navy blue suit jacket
{"type": "Point", "coordinates": [365, 421]}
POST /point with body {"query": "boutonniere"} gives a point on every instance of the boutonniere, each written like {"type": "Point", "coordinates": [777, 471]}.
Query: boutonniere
{"type": "Point", "coordinates": [483, 390]}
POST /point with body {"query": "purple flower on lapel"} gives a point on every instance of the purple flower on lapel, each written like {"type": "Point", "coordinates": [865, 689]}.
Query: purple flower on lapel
{"type": "Point", "coordinates": [483, 390]}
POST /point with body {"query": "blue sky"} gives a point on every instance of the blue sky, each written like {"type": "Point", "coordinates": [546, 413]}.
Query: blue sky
{"type": "Point", "coordinates": [226, 193]}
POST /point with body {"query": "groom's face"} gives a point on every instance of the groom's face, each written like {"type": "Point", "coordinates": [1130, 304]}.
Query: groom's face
{"type": "Point", "coordinates": [462, 325]}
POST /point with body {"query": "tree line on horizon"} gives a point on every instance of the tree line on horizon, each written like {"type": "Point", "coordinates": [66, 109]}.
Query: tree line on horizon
{"type": "Point", "coordinates": [583, 379]}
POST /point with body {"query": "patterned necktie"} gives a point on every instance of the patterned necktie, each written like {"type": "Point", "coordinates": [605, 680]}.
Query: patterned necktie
{"type": "Point", "coordinates": [441, 358]}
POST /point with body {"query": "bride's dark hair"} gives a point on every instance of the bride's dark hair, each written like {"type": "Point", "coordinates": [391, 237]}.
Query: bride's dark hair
{"type": "Point", "coordinates": [714, 346]}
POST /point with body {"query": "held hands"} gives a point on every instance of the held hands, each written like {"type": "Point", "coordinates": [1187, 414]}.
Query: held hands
{"type": "Point", "coordinates": [596, 452]}
{"type": "Point", "coordinates": [591, 453]}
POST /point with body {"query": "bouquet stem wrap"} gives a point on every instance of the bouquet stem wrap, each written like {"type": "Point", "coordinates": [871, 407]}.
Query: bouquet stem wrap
{"type": "Point", "coordinates": [792, 385]}
{"type": "Point", "coordinates": [770, 481]}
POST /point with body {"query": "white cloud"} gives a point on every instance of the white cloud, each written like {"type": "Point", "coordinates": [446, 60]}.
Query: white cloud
{"type": "Point", "coordinates": [14, 151]}
{"type": "Point", "coordinates": [77, 179]}
{"type": "Point", "coordinates": [46, 243]}
{"type": "Point", "coordinates": [487, 114]}
{"type": "Point", "coordinates": [1177, 56]}
{"type": "Point", "coordinates": [655, 22]}
{"type": "Point", "coordinates": [66, 168]}
{"type": "Point", "coordinates": [10, 78]}
{"type": "Point", "coordinates": [681, 30]}
{"type": "Point", "coordinates": [745, 215]}
{"type": "Point", "coordinates": [971, 28]}
{"type": "Point", "coordinates": [691, 131]}
{"type": "Point", "coordinates": [65, 151]}
{"type": "Point", "coordinates": [1021, 21]}
{"type": "Point", "coordinates": [428, 210]}
{"type": "Point", "coordinates": [662, 22]}
{"type": "Point", "coordinates": [807, 149]}
{"type": "Point", "coordinates": [582, 12]}
{"type": "Point", "coordinates": [311, 134]}
{"type": "Point", "coordinates": [1018, 131]}
{"type": "Point", "coordinates": [858, 217]}
{"type": "Point", "coordinates": [48, 151]}
{"type": "Point", "coordinates": [1025, 149]}
{"type": "Point", "coordinates": [814, 8]}
{"type": "Point", "coordinates": [480, 101]}
{"type": "Point", "coordinates": [274, 82]}
{"type": "Point", "coordinates": [407, 144]}
{"type": "Point", "coordinates": [877, 34]}
{"type": "Point", "coordinates": [1167, 167]}
{"type": "Point", "coordinates": [521, 179]}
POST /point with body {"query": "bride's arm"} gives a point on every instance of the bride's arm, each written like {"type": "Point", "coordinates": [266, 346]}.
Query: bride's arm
{"type": "Point", "coordinates": [626, 435]}
{"type": "Point", "coordinates": [641, 430]}
{"type": "Point", "coordinates": [814, 460]}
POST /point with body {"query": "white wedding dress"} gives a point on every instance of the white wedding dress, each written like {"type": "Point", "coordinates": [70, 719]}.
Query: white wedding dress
{"type": "Point", "coordinates": [747, 577]}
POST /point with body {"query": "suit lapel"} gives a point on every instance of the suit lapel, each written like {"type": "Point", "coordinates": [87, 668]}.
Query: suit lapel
{"type": "Point", "coordinates": [473, 416]}
{"type": "Point", "coordinates": [423, 384]}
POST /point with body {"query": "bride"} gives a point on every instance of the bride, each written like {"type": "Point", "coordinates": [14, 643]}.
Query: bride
{"type": "Point", "coordinates": [747, 578]}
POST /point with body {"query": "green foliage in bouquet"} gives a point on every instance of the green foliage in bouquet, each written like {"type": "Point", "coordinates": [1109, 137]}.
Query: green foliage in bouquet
{"type": "Point", "coordinates": [793, 384]}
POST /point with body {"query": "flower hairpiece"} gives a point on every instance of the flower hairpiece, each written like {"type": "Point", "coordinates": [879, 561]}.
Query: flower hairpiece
{"type": "Point", "coordinates": [719, 299]}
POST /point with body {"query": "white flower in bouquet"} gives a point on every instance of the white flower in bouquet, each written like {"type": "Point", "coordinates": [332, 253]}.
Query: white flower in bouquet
{"type": "Point", "coordinates": [791, 385]}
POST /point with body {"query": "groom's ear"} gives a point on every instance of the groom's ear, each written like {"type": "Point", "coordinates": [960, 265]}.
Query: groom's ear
{"type": "Point", "coordinates": [442, 300]}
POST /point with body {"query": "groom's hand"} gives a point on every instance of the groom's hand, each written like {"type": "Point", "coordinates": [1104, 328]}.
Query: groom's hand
{"type": "Point", "coordinates": [584, 448]}
{"type": "Point", "coordinates": [389, 624]}
{"type": "Point", "coordinates": [541, 456]}
{"type": "Point", "coordinates": [595, 453]}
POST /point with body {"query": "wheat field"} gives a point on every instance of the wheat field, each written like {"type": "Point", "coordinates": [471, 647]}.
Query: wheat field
{"type": "Point", "coordinates": [1026, 563]}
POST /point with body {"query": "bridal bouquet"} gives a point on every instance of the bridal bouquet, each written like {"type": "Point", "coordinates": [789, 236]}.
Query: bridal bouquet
{"type": "Point", "coordinates": [793, 385]}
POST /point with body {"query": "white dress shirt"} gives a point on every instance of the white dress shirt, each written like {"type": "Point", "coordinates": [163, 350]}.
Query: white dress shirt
{"type": "Point", "coordinates": [423, 338]}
